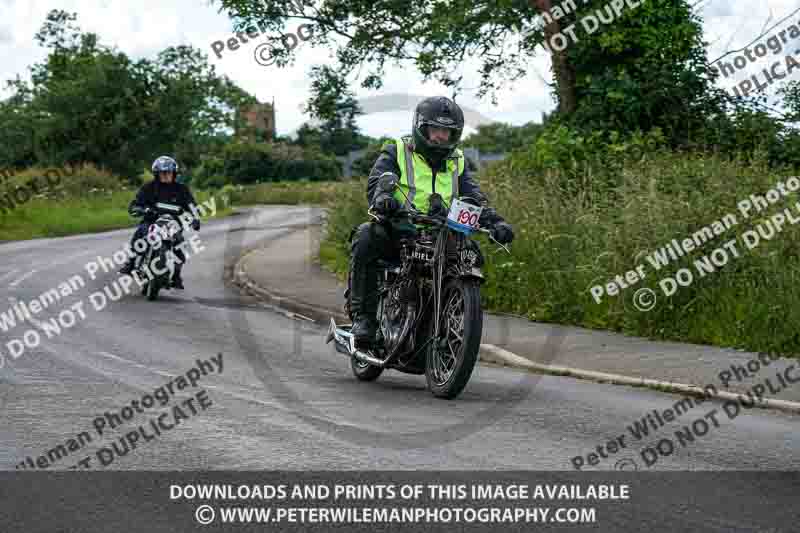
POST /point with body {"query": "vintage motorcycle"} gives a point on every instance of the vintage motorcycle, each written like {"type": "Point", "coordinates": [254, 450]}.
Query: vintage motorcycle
{"type": "Point", "coordinates": [429, 311]}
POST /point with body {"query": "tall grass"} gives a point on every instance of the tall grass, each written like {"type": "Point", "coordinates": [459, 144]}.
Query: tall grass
{"type": "Point", "coordinates": [577, 228]}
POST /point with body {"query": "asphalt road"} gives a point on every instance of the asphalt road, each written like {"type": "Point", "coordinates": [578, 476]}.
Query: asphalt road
{"type": "Point", "coordinates": [285, 400]}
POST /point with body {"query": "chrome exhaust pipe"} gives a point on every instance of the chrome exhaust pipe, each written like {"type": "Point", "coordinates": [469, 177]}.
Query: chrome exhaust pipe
{"type": "Point", "coordinates": [345, 344]}
{"type": "Point", "coordinates": [361, 356]}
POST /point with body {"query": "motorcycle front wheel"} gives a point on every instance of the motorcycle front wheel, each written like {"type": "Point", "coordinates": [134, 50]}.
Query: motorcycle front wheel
{"type": "Point", "coordinates": [155, 284]}
{"type": "Point", "coordinates": [451, 358]}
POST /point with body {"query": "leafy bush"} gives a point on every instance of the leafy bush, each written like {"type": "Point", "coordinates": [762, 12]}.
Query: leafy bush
{"type": "Point", "coordinates": [65, 182]}
{"type": "Point", "coordinates": [583, 162]}
{"type": "Point", "coordinates": [250, 162]}
{"type": "Point", "coordinates": [290, 192]}
{"type": "Point", "coordinates": [745, 133]}
{"type": "Point", "coordinates": [499, 137]}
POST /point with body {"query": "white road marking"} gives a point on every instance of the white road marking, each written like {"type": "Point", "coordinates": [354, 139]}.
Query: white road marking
{"type": "Point", "coordinates": [23, 278]}
{"type": "Point", "coordinates": [51, 264]}
{"type": "Point", "coordinates": [111, 355]}
{"type": "Point", "coordinates": [70, 258]}
{"type": "Point", "coordinates": [8, 274]}
{"type": "Point", "coordinates": [118, 358]}
{"type": "Point", "coordinates": [245, 397]}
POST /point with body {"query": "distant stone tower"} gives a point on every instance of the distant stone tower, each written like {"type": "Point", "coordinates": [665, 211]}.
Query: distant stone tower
{"type": "Point", "coordinates": [256, 122]}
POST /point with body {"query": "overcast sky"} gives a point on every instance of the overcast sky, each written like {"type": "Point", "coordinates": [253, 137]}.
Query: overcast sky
{"type": "Point", "coordinates": [142, 28]}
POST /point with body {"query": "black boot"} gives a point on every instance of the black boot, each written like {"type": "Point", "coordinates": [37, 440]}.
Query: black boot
{"type": "Point", "coordinates": [363, 295]}
{"type": "Point", "coordinates": [364, 329]}
{"type": "Point", "coordinates": [128, 267]}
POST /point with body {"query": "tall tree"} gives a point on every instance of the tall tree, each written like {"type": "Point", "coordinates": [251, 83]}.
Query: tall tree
{"type": "Point", "coordinates": [655, 46]}
{"type": "Point", "coordinates": [334, 105]}
{"type": "Point", "coordinates": [563, 69]}
{"type": "Point", "coordinates": [436, 37]}
{"type": "Point", "coordinates": [90, 103]}
{"type": "Point", "coordinates": [648, 69]}
{"type": "Point", "coordinates": [791, 100]}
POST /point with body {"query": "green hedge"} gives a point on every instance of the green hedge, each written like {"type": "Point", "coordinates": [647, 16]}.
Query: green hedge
{"type": "Point", "coordinates": [244, 163]}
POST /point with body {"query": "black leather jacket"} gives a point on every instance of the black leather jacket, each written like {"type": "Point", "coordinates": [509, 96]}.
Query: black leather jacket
{"type": "Point", "coordinates": [154, 192]}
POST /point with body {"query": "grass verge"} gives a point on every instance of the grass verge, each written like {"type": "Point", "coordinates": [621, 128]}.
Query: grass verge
{"type": "Point", "coordinates": [93, 212]}
{"type": "Point", "coordinates": [577, 230]}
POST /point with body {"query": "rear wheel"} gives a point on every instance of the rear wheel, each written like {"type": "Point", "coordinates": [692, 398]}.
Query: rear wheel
{"type": "Point", "coordinates": [451, 358]}
{"type": "Point", "coordinates": [391, 313]}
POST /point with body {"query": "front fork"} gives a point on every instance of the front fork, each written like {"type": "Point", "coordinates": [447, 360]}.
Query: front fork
{"type": "Point", "coordinates": [440, 258]}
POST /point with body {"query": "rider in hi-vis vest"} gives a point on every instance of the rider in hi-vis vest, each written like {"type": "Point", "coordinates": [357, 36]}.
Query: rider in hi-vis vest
{"type": "Point", "coordinates": [416, 176]}
{"type": "Point", "coordinates": [427, 162]}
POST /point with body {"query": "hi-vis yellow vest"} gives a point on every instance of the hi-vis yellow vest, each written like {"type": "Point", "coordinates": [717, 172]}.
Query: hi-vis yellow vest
{"type": "Point", "coordinates": [416, 177]}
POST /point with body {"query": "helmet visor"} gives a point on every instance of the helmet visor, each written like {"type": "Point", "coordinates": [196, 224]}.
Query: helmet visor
{"type": "Point", "coordinates": [437, 134]}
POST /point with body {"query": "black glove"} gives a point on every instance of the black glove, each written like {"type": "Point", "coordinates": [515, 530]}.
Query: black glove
{"type": "Point", "coordinates": [437, 207]}
{"type": "Point", "coordinates": [502, 232]}
{"type": "Point", "coordinates": [489, 217]}
{"type": "Point", "coordinates": [386, 204]}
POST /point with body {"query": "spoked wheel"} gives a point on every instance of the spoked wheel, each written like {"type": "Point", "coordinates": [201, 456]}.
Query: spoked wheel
{"type": "Point", "coordinates": [452, 357]}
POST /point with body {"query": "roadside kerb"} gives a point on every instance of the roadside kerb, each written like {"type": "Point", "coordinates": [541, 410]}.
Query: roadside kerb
{"type": "Point", "coordinates": [491, 354]}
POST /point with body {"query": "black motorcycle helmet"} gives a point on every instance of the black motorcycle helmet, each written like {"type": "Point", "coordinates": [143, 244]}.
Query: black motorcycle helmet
{"type": "Point", "coordinates": [441, 112]}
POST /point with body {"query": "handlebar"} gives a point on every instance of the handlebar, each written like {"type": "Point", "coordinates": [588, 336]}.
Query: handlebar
{"type": "Point", "coordinates": [418, 217]}
{"type": "Point", "coordinates": [158, 209]}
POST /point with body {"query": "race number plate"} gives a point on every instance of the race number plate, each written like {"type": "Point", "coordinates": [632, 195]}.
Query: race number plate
{"type": "Point", "coordinates": [463, 217]}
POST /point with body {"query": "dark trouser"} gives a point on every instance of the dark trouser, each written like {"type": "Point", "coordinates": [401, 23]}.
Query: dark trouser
{"type": "Point", "coordinates": [369, 243]}
{"type": "Point", "coordinates": [140, 233]}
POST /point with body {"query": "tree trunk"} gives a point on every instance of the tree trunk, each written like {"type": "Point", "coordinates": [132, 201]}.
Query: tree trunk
{"type": "Point", "coordinates": [562, 69]}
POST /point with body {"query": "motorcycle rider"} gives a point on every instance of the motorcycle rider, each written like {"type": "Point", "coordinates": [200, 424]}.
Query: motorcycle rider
{"type": "Point", "coordinates": [163, 188]}
{"type": "Point", "coordinates": [426, 162]}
